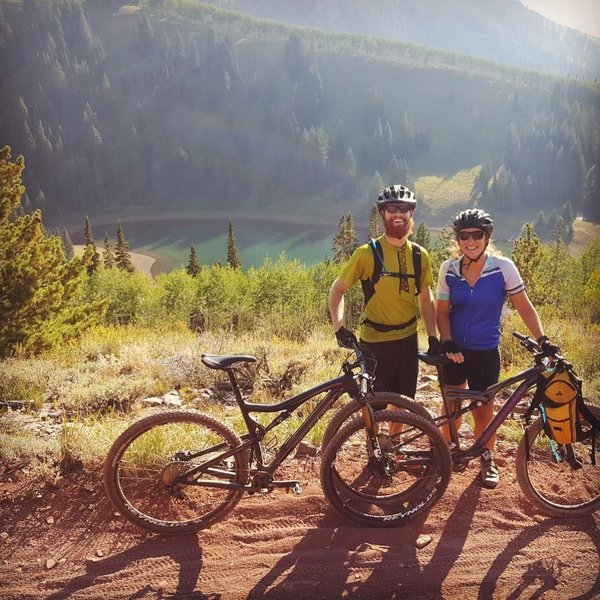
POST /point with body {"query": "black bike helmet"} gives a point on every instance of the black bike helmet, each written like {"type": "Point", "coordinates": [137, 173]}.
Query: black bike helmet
{"type": "Point", "coordinates": [473, 217]}
{"type": "Point", "coordinates": [396, 193]}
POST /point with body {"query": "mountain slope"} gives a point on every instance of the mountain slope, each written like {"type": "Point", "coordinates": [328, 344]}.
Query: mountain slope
{"type": "Point", "coordinates": [186, 107]}
{"type": "Point", "coordinates": [505, 31]}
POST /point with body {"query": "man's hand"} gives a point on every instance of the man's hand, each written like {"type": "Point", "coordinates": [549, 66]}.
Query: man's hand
{"type": "Point", "coordinates": [345, 338]}
{"type": "Point", "coordinates": [434, 345]}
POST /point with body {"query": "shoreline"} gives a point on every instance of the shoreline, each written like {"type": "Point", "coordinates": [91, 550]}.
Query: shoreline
{"type": "Point", "coordinates": [143, 263]}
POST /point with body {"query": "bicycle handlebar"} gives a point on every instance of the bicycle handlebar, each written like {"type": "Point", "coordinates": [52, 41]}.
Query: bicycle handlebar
{"type": "Point", "coordinates": [361, 360]}
{"type": "Point", "coordinates": [532, 346]}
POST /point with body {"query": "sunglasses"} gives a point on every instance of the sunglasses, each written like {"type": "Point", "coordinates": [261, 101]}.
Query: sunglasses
{"type": "Point", "coordinates": [476, 235]}
{"type": "Point", "coordinates": [393, 209]}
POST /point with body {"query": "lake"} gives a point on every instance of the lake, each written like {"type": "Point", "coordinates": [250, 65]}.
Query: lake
{"type": "Point", "coordinates": [169, 240]}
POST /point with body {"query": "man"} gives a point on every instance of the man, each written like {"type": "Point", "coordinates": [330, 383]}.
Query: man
{"type": "Point", "coordinates": [388, 269]}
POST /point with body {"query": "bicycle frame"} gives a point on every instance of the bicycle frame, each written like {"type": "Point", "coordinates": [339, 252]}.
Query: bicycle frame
{"type": "Point", "coordinates": [333, 389]}
{"type": "Point", "coordinates": [528, 379]}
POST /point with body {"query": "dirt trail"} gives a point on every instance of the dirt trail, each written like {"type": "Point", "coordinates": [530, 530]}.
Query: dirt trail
{"type": "Point", "coordinates": [475, 543]}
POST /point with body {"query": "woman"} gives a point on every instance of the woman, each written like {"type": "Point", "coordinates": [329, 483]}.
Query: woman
{"type": "Point", "coordinates": [470, 295]}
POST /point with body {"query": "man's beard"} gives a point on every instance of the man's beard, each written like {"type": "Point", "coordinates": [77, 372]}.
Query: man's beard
{"type": "Point", "coordinates": [397, 231]}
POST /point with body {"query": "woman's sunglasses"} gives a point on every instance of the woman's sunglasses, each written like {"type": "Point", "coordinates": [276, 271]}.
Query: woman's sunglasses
{"type": "Point", "coordinates": [465, 235]}
{"type": "Point", "coordinates": [393, 209]}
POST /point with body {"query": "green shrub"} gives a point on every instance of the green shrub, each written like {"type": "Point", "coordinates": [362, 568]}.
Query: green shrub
{"type": "Point", "coordinates": [126, 295]}
{"type": "Point", "coordinates": [174, 297]}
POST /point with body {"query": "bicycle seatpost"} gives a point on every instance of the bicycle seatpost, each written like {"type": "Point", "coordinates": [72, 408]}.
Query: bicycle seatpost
{"type": "Point", "coordinates": [438, 361]}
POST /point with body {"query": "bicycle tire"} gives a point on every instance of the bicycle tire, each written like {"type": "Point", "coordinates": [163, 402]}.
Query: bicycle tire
{"type": "Point", "coordinates": [552, 485]}
{"type": "Point", "coordinates": [420, 467]}
{"type": "Point", "coordinates": [143, 461]}
{"type": "Point", "coordinates": [351, 409]}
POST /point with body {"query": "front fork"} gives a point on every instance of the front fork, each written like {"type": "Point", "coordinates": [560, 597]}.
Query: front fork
{"type": "Point", "coordinates": [364, 386]}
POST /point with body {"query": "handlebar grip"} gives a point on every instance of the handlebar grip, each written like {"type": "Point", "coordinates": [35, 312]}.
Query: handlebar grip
{"type": "Point", "coordinates": [519, 336]}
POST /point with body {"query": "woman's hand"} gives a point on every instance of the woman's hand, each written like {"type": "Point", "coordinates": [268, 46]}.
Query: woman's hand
{"type": "Point", "coordinates": [452, 351]}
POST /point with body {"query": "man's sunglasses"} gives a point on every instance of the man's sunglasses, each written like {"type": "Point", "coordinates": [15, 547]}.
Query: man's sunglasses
{"type": "Point", "coordinates": [393, 209]}
{"type": "Point", "coordinates": [465, 235]}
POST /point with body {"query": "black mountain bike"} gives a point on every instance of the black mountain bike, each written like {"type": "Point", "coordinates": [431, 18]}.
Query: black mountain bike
{"type": "Point", "coordinates": [179, 471]}
{"type": "Point", "coordinates": [561, 480]}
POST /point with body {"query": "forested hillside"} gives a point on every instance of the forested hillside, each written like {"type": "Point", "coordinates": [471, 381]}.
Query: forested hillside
{"type": "Point", "coordinates": [503, 31]}
{"type": "Point", "coordinates": [182, 106]}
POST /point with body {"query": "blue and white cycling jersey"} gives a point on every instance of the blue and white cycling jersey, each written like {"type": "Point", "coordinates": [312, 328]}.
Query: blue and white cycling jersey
{"type": "Point", "coordinates": [475, 311]}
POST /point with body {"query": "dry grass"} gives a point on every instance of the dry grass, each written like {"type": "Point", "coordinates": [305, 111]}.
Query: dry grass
{"type": "Point", "coordinates": [445, 194]}
{"type": "Point", "coordinates": [584, 232]}
{"type": "Point", "coordinates": [96, 383]}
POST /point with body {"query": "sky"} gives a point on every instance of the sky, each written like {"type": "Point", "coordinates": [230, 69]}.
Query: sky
{"type": "Point", "coordinates": [583, 15]}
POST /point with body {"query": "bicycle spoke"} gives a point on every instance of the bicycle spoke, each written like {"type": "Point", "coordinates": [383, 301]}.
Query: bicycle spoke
{"type": "Point", "coordinates": [412, 474]}
{"type": "Point", "coordinates": [147, 480]}
{"type": "Point", "coordinates": [560, 480]}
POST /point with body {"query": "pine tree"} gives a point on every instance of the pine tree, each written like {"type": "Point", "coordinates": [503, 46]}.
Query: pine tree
{"type": "Point", "coordinates": [527, 256]}
{"type": "Point", "coordinates": [374, 228]}
{"type": "Point", "coordinates": [591, 194]}
{"type": "Point", "coordinates": [67, 243]}
{"type": "Point", "coordinates": [422, 236]}
{"type": "Point", "coordinates": [233, 255]}
{"type": "Point", "coordinates": [345, 240]}
{"type": "Point", "coordinates": [122, 256]}
{"type": "Point", "coordinates": [90, 253]}
{"type": "Point", "coordinates": [351, 237]}
{"type": "Point", "coordinates": [568, 218]}
{"type": "Point", "coordinates": [193, 266]}
{"type": "Point", "coordinates": [37, 284]}
{"type": "Point", "coordinates": [107, 254]}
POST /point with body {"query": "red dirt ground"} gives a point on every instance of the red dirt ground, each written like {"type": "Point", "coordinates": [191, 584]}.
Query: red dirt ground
{"type": "Point", "coordinates": [475, 543]}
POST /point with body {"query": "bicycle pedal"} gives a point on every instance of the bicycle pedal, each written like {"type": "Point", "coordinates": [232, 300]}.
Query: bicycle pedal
{"type": "Point", "coordinates": [297, 489]}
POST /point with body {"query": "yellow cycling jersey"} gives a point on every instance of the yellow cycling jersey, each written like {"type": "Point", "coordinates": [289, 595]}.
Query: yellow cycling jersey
{"type": "Point", "coordinates": [394, 302]}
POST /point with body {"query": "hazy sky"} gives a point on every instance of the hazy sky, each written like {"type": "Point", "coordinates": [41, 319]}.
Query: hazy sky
{"type": "Point", "coordinates": [577, 14]}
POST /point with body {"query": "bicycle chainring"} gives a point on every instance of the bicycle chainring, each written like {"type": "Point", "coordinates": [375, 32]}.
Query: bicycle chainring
{"type": "Point", "coordinates": [262, 482]}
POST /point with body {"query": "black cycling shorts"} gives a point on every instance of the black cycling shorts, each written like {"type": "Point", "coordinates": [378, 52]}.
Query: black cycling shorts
{"type": "Point", "coordinates": [480, 369]}
{"type": "Point", "coordinates": [397, 365]}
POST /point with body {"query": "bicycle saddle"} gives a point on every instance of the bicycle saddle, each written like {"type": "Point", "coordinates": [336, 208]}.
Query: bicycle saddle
{"type": "Point", "coordinates": [214, 361]}
{"type": "Point", "coordinates": [437, 360]}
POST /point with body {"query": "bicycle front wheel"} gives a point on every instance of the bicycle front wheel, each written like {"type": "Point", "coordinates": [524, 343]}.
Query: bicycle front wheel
{"type": "Point", "coordinates": [411, 477]}
{"type": "Point", "coordinates": [145, 472]}
{"type": "Point", "coordinates": [559, 479]}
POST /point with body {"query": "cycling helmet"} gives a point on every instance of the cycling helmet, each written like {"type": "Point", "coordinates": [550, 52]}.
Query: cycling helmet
{"type": "Point", "coordinates": [473, 217]}
{"type": "Point", "coordinates": [396, 193]}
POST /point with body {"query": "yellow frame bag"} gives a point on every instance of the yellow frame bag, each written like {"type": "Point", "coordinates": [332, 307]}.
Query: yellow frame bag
{"type": "Point", "coordinates": [558, 398]}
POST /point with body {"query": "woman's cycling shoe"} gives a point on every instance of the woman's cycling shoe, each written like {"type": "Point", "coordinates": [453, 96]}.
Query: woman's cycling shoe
{"type": "Point", "coordinates": [490, 476]}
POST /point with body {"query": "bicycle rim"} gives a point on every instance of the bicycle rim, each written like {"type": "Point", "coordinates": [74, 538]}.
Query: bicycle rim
{"type": "Point", "coordinates": [417, 471]}
{"type": "Point", "coordinates": [558, 482]}
{"type": "Point", "coordinates": [144, 467]}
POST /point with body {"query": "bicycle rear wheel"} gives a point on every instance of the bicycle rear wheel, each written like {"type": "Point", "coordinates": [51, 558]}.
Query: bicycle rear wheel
{"type": "Point", "coordinates": [417, 465]}
{"type": "Point", "coordinates": [559, 479]}
{"type": "Point", "coordinates": [351, 409]}
{"type": "Point", "coordinates": [144, 472]}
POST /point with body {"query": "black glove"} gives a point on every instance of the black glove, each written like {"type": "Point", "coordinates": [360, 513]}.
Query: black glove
{"type": "Point", "coordinates": [434, 345]}
{"type": "Point", "coordinates": [345, 338]}
{"type": "Point", "coordinates": [548, 348]}
{"type": "Point", "coordinates": [450, 346]}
